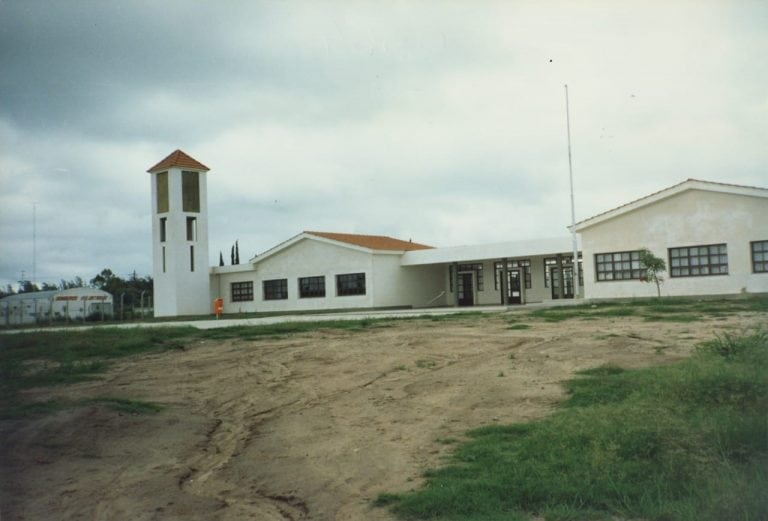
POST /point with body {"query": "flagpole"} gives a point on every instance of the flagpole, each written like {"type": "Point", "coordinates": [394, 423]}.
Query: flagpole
{"type": "Point", "coordinates": [573, 205]}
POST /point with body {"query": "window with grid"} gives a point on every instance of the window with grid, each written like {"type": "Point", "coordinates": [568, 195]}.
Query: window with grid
{"type": "Point", "coordinates": [478, 269]}
{"type": "Point", "coordinates": [311, 287]}
{"type": "Point", "coordinates": [276, 289]}
{"type": "Point", "coordinates": [242, 291]}
{"type": "Point", "coordinates": [350, 284]}
{"type": "Point", "coordinates": [524, 265]}
{"type": "Point", "coordinates": [698, 261]}
{"type": "Point", "coordinates": [550, 262]}
{"type": "Point", "coordinates": [622, 265]}
{"type": "Point", "coordinates": [759, 256]}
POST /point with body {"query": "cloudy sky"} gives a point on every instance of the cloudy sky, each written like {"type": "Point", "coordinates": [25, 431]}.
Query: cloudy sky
{"type": "Point", "coordinates": [441, 122]}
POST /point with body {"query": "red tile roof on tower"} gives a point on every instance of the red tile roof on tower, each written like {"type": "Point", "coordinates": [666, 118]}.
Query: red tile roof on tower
{"type": "Point", "coordinates": [177, 158]}
{"type": "Point", "coordinates": [373, 242]}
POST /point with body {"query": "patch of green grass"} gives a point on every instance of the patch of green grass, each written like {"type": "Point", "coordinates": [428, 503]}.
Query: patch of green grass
{"type": "Point", "coordinates": [458, 316]}
{"type": "Point", "coordinates": [683, 317]}
{"type": "Point", "coordinates": [682, 442]}
{"type": "Point", "coordinates": [669, 309]}
{"type": "Point", "coordinates": [519, 326]}
{"type": "Point", "coordinates": [127, 406]}
{"type": "Point", "coordinates": [424, 363]}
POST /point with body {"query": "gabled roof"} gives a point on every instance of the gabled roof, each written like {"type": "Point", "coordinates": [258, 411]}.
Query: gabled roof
{"type": "Point", "coordinates": [372, 242]}
{"type": "Point", "coordinates": [366, 243]}
{"type": "Point", "coordinates": [689, 184]}
{"type": "Point", "coordinates": [177, 158]}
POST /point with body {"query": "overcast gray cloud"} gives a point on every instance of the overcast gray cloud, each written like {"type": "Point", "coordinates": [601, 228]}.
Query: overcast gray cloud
{"type": "Point", "coordinates": [443, 122]}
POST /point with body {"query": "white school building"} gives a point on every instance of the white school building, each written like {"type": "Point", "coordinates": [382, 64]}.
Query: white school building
{"type": "Point", "coordinates": [713, 236]}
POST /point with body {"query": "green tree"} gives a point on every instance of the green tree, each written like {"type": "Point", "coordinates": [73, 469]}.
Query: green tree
{"type": "Point", "coordinates": [77, 282]}
{"type": "Point", "coordinates": [653, 267]}
{"type": "Point", "coordinates": [107, 281]}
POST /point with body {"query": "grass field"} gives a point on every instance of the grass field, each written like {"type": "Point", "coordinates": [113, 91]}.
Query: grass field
{"type": "Point", "coordinates": [687, 441]}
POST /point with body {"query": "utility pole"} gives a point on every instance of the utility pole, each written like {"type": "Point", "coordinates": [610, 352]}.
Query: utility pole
{"type": "Point", "coordinates": [573, 206]}
{"type": "Point", "coordinates": [34, 242]}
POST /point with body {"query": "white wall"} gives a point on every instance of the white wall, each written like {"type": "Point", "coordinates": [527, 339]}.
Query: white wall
{"type": "Point", "coordinates": [178, 290]}
{"type": "Point", "coordinates": [306, 258]}
{"type": "Point", "coordinates": [416, 286]}
{"type": "Point", "coordinates": [691, 218]}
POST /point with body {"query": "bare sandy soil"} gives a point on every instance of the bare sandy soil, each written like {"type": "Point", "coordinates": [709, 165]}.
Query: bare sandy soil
{"type": "Point", "coordinates": [309, 427]}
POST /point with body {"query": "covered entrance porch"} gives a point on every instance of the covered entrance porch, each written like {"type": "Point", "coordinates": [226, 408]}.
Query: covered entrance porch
{"type": "Point", "coordinates": [508, 274]}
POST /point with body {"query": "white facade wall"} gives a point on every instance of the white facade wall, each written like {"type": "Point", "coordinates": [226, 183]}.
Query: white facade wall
{"type": "Point", "coordinates": [305, 258]}
{"type": "Point", "coordinates": [690, 218]}
{"type": "Point", "coordinates": [415, 286]}
{"type": "Point", "coordinates": [177, 289]}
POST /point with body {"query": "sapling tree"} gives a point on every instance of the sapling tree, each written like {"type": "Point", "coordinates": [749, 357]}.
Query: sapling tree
{"type": "Point", "coordinates": [653, 267]}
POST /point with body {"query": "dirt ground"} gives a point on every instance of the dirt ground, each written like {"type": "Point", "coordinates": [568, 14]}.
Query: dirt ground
{"type": "Point", "coordinates": [311, 426]}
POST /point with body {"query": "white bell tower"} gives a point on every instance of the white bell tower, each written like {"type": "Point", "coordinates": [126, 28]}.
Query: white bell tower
{"type": "Point", "coordinates": [180, 236]}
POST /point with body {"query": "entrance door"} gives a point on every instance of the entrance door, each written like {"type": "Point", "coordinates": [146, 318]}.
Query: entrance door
{"type": "Point", "coordinates": [466, 294]}
{"type": "Point", "coordinates": [514, 292]}
{"type": "Point", "coordinates": [567, 282]}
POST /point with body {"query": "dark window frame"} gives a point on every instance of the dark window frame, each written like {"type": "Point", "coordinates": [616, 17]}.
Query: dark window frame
{"type": "Point", "coordinates": [759, 265]}
{"type": "Point", "coordinates": [162, 192]}
{"type": "Point", "coordinates": [476, 267]}
{"type": "Point", "coordinates": [703, 260]}
{"type": "Point", "coordinates": [192, 229]}
{"type": "Point", "coordinates": [190, 191]}
{"type": "Point", "coordinates": [241, 291]}
{"type": "Point", "coordinates": [618, 266]}
{"type": "Point", "coordinates": [513, 264]}
{"type": "Point", "coordinates": [312, 287]}
{"type": "Point", "coordinates": [350, 284]}
{"type": "Point", "coordinates": [275, 289]}
{"type": "Point", "coordinates": [567, 260]}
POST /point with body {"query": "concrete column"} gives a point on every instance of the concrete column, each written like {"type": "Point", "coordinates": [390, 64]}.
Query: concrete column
{"type": "Point", "coordinates": [504, 282]}
{"type": "Point", "coordinates": [455, 283]}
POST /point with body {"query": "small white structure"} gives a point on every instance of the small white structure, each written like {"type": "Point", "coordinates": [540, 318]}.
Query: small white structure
{"type": "Point", "coordinates": [180, 236]}
{"type": "Point", "coordinates": [48, 306]}
{"type": "Point", "coordinates": [713, 236]}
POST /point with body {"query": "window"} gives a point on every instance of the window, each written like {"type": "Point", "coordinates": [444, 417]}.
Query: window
{"type": "Point", "coordinates": [624, 265]}
{"type": "Point", "coordinates": [163, 227]}
{"type": "Point", "coordinates": [759, 256]}
{"type": "Point", "coordinates": [565, 261]}
{"type": "Point", "coordinates": [311, 287]}
{"type": "Point", "coordinates": [242, 291]}
{"type": "Point", "coordinates": [350, 284]}
{"type": "Point", "coordinates": [163, 259]}
{"type": "Point", "coordinates": [190, 191]}
{"type": "Point", "coordinates": [162, 192]}
{"type": "Point", "coordinates": [276, 289]}
{"type": "Point", "coordinates": [477, 268]}
{"type": "Point", "coordinates": [191, 258]}
{"type": "Point", "coordinates": [191, 228]}
{"type": "Point", "coordinates": [524, 265]}
{"type": "Point", "coordinates": [697, 261]}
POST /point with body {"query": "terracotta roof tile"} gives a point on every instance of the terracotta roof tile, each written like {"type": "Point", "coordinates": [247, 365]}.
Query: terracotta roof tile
{"type": "Point", "coordinates": [177, 158]}
{"type": "Point", "coordinates": [373, 242]}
